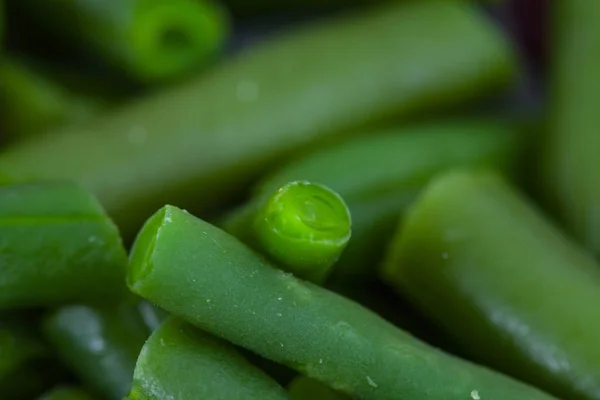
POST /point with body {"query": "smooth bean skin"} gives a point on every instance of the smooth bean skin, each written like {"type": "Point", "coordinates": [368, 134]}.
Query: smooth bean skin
{"type": "Point", "coordinates": [100, 345]}
{"type": "Point", "coordinates": [180, 361]}
{"type": "Point", "coordinates": [511, 289]}
{"type": "Point", "coordinates": [206, 276]}
{"type": "Point", "coordinates": [569, 173]}
{"type": "Point", "coordinates": [57, 245]}
{"type": "Point", "coordinates": [230, 124]}
{"type": "Point", "coordinates": [303, 388]}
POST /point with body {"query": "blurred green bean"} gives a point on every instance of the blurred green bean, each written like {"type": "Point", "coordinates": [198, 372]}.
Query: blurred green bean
{"type": "Point", "coordinates": [66, 393]}
{"type": "Point", "coordinates": [199, 144]}
{"type": "Point", "coordinates": [100, 345]}
{"type": "Point", "coordinates": [149, 41]}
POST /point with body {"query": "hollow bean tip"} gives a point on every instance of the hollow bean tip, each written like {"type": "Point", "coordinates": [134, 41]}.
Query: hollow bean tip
{"type": "Point", "coordinates": [142, 252]}
{"type": "Point", "coordinates": [310, 211]}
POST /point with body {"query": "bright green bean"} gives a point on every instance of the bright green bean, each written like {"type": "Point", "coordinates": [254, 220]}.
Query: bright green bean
{"type": "Point", "coordinates": [304, 227]}
{"type": "Point", "coordinates": [148, 40]}
{"type": "Point", "coordinates": [224, 128]}
{"type": "Point", "coordinates": [509, 287]}
{"type": "Point", "coordinates": [100, 345]}
{"type": "Point", "coordinates": [181, 362]}
{"type": "Point", "coordinates": [57, 246]}
{"type": "Point", "coordinates": [196, 271]}
{"type": "Point", "coordinates": [380, 174]}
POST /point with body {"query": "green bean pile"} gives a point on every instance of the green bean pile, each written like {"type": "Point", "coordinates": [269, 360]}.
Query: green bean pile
{"type": "Point", "coordinates": [353, 207]}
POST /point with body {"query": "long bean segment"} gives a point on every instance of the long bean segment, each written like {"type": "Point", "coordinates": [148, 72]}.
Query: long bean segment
{"type": "Point", "coordinates": [304, 227]}
{"type": "Point", "coordinates": [225, 127]}
{"type": "Point", "coordinates": [509, 287]}
{"type": "Point", "coordinates": [179, 361]}
{"type": "Point", "coordinates": [100, 345]}
{"type": "Point", "coordinates": [197, 271]}
{"type": "Point", "coordinates": [57, 246]}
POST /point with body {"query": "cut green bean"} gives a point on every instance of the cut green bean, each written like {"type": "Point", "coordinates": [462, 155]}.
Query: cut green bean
{"type": "Point", "coordinates": [570, 173]}
{"type": "Point", "coordinates": [303, 388]}
{"type": "Point", "coordinates": [181, 362]}
{"type": "Point", "coordinates": [379, 175]}
{"type": "Point", "coordinates": [148, 40]}
{"type": "Point", "coordinates": [226, 127]}
{"type": "Point", "coordinates": [100, 346]}
{"type": "Point", "coordinates": [66, 393]}
{"type": "Point", "coordinates": [33, 101]}
{"type": "Point", "coordinates": [304, 227]}
{"type": "Point", "coordinates": [509, 287]}
{"type": "Point", "coordinates": [199, 272]}
{"type": "Point", "coordinates": [58, 246]}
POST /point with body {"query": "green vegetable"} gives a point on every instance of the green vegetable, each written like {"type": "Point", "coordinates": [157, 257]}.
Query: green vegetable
{"type": "Point", "coordinates": [57, 246]}
{"type": "Point", "coordinates": [503, 282]}
{"type": "Point", "coordinates": [224, 128]}
{"type": "Point", "coordinates": [198, 272]}
{"type": "Point", "coordinates": [184, 363]}
{"type": "Point", "coordinates": [148, 40]}
{"type": "Point", "coordinates": [153, 316]}
{"type": "Point", "coordinates": [303, 388]}
{"type": "Point", "coordinates": [66, 393]}
{"type": "Point", "coordinates": [33, 100]}
{"type": "Point", "coordinates": [100, 345]}
{"type": "Point", "coordinates": [303, 226]}
{"type": "Point", "coordinates": [571, 145]}
{"type": "Point", "coordinates": [379, 175]}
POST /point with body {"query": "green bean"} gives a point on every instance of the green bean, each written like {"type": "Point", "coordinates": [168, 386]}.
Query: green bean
{"type": "Point", "coordinates": [303, 388]}
{"type": "Point", "coordinates": [509, 287]}
{"type": "Point", "coordinates": [197, 271]}
{"type": "Point", "coordinates": [569, 150]}
{"type": "Point", "coordinates": [147, 40]}
{"type": "Point", "coordinates": [380, 174]}
{"type": "Point", "coordinates": [226, 127]}
{"type": "Point", "coordinates": [57, 246]}
{"type": "Point", "coordinates": [100, 345]}
{"type": "Point", "coordinates": [33, 100]}
{"type": "Point", "coordinates": [304, 227]}
{"type": "Point", "coordinates": [66, 393]}
{"type": "Point", "coordinates": [181, 362]}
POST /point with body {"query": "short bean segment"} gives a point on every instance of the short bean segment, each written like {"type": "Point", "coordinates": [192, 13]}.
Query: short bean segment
{"type": "Point", "coordinates": [515, 292]}
{"type": "Point", "coordinates": [304, 227]}
{"type": "Point", "coordinates": [196, 271]}
{"type": "Point", "coordinates": [179, 361]}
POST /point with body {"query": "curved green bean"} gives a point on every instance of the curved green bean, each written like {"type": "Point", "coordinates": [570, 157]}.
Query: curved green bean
{"type": "Point", "coordinates": [181, 362]}
{"type": "Point", "coordinates": [225, 127]}
{"type": "Point", "coordinates": [380, 174]}
{"type": "Point", "coordinates": [304, 227]}
{"type": "Point", "coordinates": [58, 246]}
{"type": "Point", "coordinates": [148, 40]}
{"type": "Point", "coordinates": [66, 393]}
{"type": "Point", "coordinates": [100, 345]}
{"type": "Point", "coordinates": [197, 271]}
{"type": "Point", "coordinates": [509, 287]}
